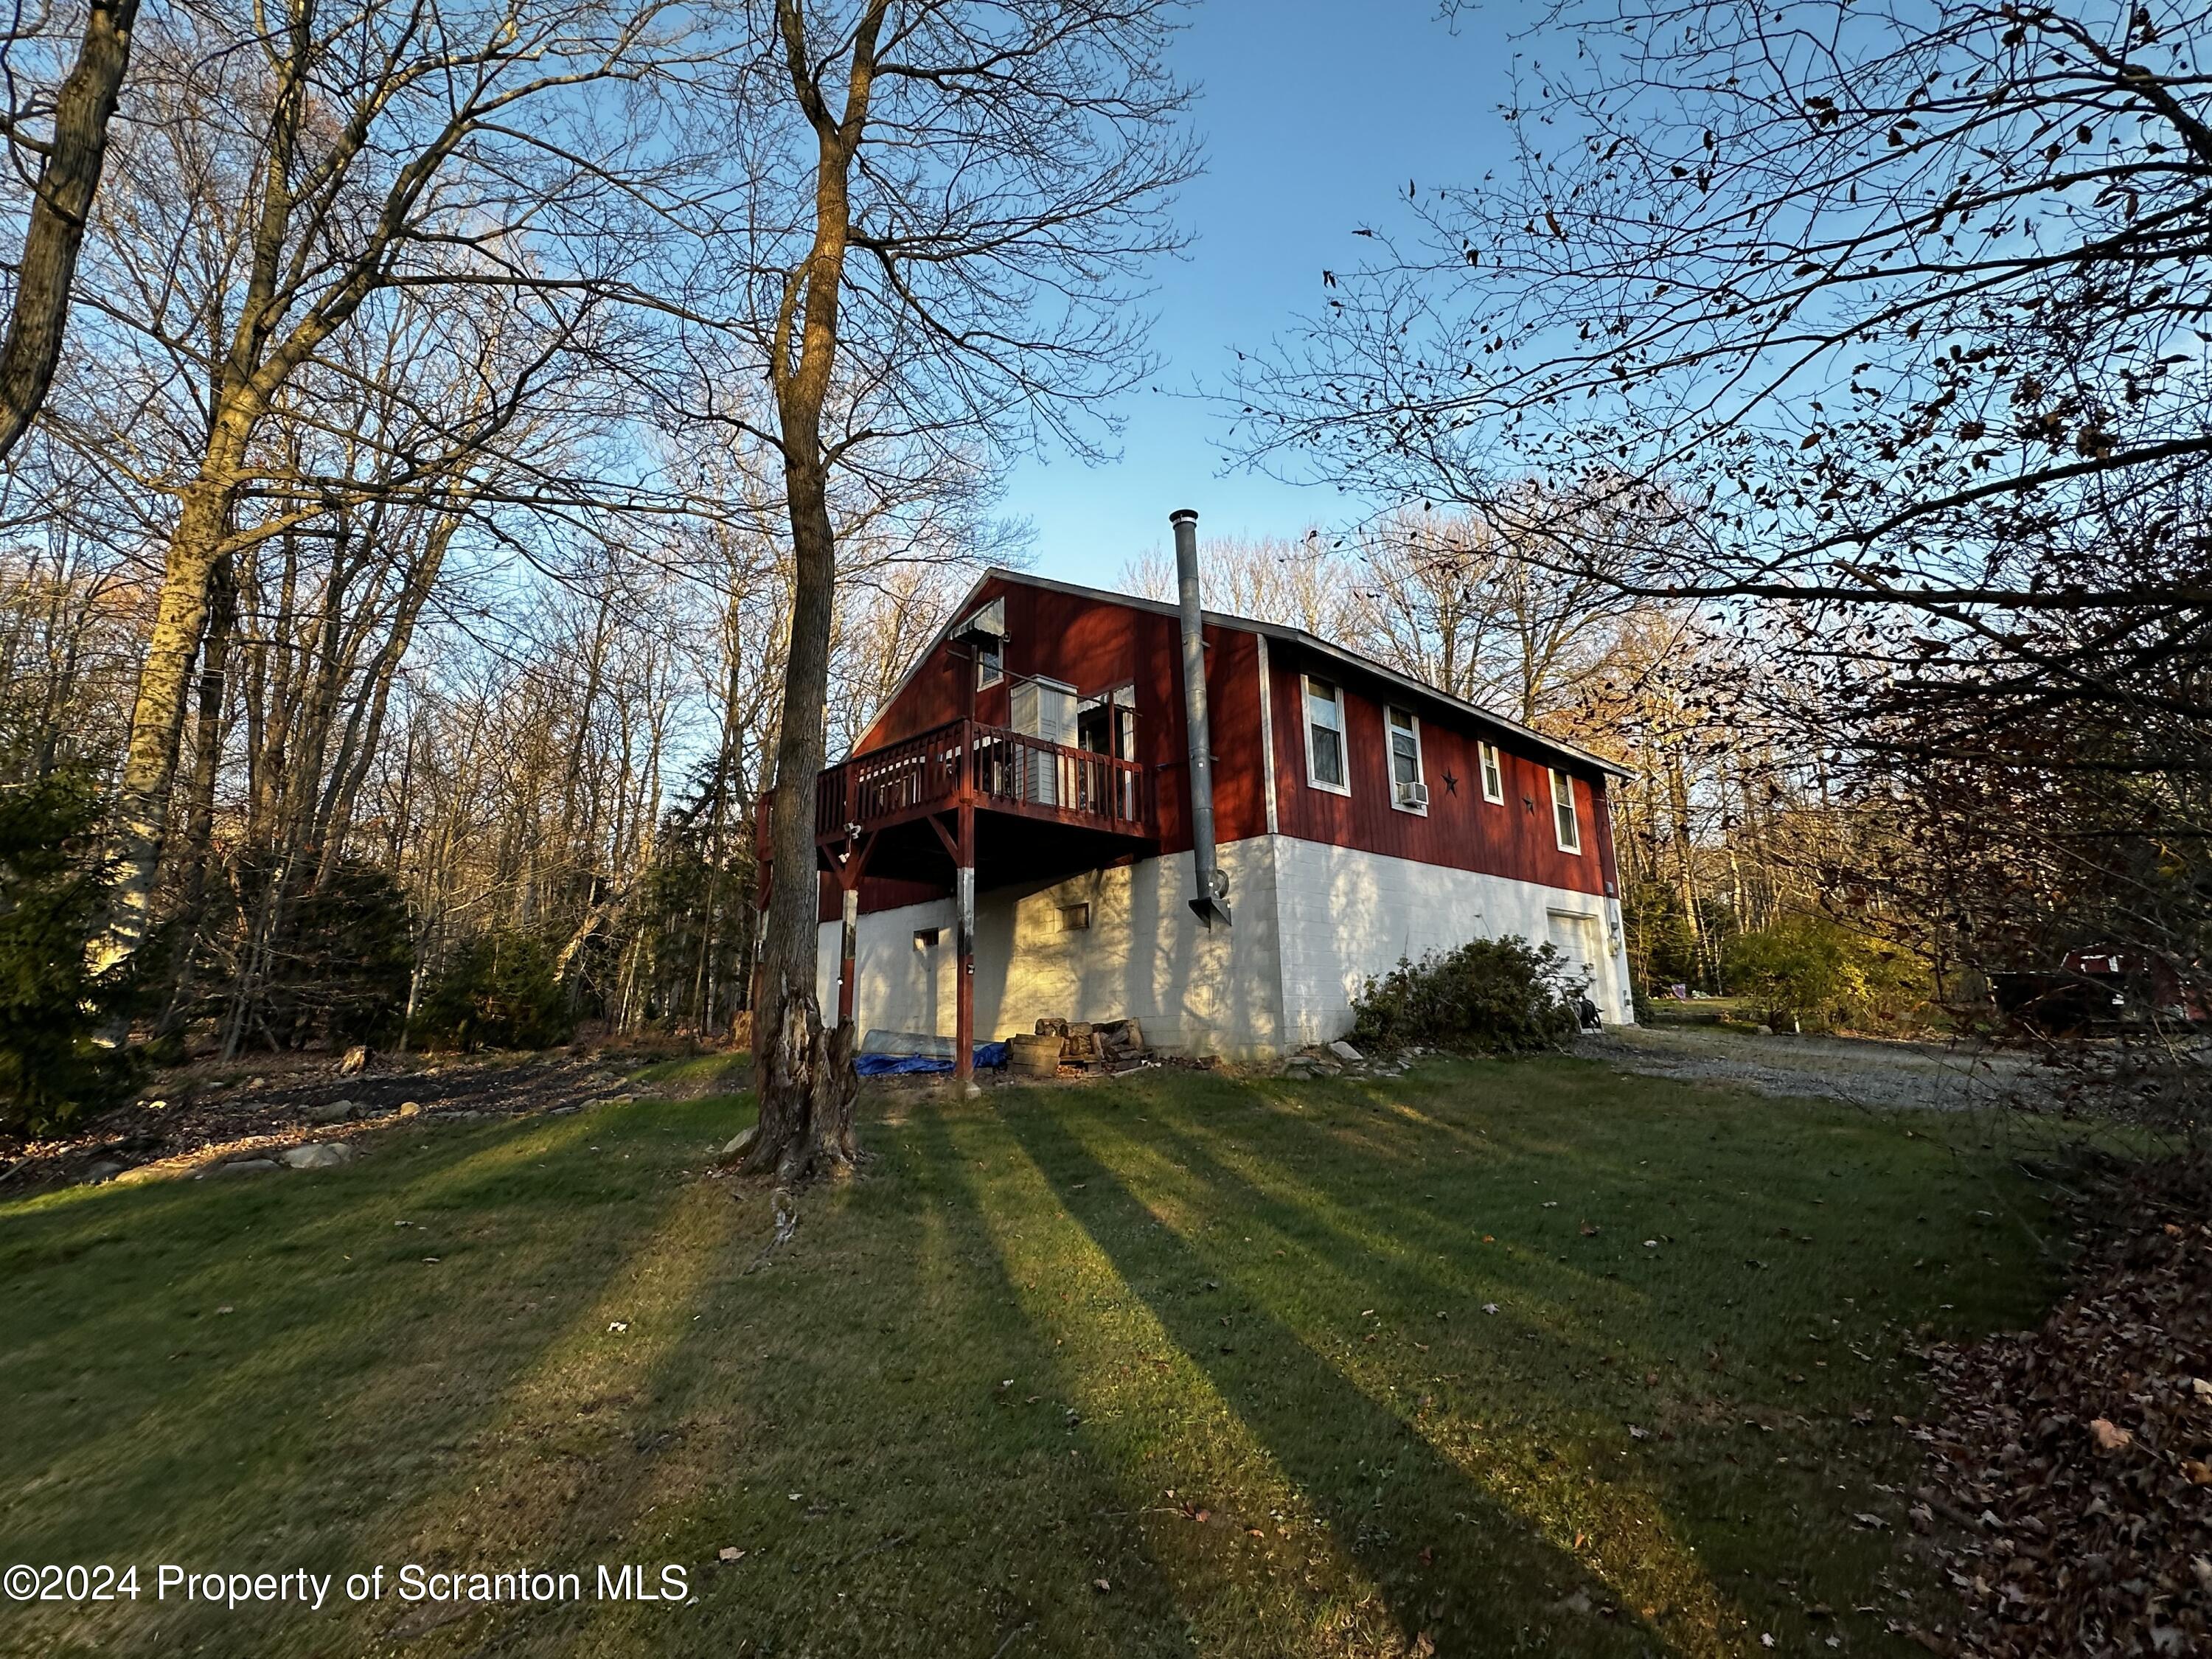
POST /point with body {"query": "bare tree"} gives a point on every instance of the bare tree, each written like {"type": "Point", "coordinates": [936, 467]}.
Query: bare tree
{"type": "Point", "coordinates": [1893, 320]}
{"type": "Point", "coordinates": [979, 187]}
{"type": "Point", "coordinates": [1306, 581]}
{"type": "Point", "coordinates": [322, 169]}
{"type": "Point", "coordinates": [65, 177]}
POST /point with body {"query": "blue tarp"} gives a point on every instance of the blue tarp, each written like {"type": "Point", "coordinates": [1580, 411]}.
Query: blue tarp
{"type": "Point", "coordinates": [987, 1054]}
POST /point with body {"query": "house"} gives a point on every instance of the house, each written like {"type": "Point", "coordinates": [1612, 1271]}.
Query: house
{"type": "Point", "coordinates": [1027, 829]}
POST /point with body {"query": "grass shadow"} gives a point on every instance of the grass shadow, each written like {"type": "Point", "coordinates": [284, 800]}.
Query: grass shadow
{"type": "Point", "coordinates": [1431, 1540]}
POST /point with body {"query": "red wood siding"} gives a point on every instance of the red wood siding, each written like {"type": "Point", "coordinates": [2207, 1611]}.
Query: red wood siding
{"type": "Point", "coordinates": [1462, 831]}
{"type": "Point", "coordinates": [1096, 645]}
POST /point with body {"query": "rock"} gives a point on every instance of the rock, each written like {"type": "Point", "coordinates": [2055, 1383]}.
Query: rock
{"type": "Point", "coordinates": [107, 1169]}
{"type": "Point", "coordinates": [317, 1155]}
{"type": "Point", "coordinates": [338, 1111]}
{"type": "Point", "coordinates": [593, 1105]}
{"type": "Point", "coordinates": [411, 1109]}
{"type": "Point", "coordinates": [246, 1166]}
{"type": "Point", "coordinates": [742, 1142]}
{"type": "Point", "coordinates": [1345, 1051]}
{"type": "Point", "coordinates": [356, 1060]}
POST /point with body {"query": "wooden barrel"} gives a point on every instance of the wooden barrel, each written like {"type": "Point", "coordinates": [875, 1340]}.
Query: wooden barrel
{"type": "Point", "coordinates": [1033, 1056]}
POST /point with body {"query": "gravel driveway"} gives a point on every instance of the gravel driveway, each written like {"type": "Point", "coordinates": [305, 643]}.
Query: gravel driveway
{"type": "Point", "coordinates": [1862, 1071]}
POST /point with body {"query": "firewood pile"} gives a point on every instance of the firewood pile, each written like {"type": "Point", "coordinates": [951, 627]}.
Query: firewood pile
{"type": "Point", "coordinates": [2070, 1467]}
{"type": "Point", "coordinates": [1112, 1046]}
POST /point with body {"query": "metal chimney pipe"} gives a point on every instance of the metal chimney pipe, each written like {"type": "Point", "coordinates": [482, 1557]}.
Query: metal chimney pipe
{"type": "Point", "coordinates": [1211, 899]}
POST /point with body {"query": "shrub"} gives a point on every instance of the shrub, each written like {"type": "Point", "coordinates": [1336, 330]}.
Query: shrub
{"type": "Point", "coordinates": [340, 973]}
{"type": "Point", "coordinates": [498, 990]}
{"type": "Point", "coordinates": [52, 881]}
{"type": "Point", "coordinates": [1812, 970]}
{"type": "Point", "coordinates": [1496, 995]}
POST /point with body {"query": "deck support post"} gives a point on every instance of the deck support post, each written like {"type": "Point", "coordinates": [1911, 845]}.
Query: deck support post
{"type": "Point", "coordinates": [851, 865]}
{"type": "Point", "coordinates": [848, 951]}
{"type": "Point", "coordinates": [964, 943]}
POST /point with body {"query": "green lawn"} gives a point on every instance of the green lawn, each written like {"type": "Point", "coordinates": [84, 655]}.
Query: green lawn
{"type": "Point", "coordinates": [1218, 1345]}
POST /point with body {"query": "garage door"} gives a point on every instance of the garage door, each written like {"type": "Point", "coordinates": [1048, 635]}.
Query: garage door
{"type": "Point", "coordinates": [1576, 936]}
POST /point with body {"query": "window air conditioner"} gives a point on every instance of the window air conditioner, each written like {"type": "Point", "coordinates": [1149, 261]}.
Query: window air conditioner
{"type": "Point", "coordinates": [1412, 794]}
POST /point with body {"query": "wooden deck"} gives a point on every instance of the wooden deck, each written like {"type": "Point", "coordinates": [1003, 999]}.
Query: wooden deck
{"type": "Point", "coordinates": [934, 807]}
{"type": "Point", "coordinates": [990, 768]}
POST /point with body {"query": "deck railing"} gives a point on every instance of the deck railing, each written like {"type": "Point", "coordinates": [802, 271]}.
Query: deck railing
{"type": "Point", "coordinates": [988, 766]}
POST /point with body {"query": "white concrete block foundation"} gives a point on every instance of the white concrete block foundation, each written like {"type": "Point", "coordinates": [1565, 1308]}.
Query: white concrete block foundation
{"type": "Point", "coordinates": [1312, 923]}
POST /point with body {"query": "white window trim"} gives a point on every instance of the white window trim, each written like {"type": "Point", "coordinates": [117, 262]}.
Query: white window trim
{"type": "Point", "coordinates": [1489, 760]}
{"type": "Point", "coordinates": [1420, 759]}
{"type": "Point", "coordinates": [996, 675]}
{"type": "Point", "coordinates": [1343, 736]}
{"type": "Point", "coordinates": [1574, 812]}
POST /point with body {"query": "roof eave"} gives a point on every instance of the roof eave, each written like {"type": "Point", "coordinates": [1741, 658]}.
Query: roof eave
{"type": "Point", "coordinates": [1298, 636]}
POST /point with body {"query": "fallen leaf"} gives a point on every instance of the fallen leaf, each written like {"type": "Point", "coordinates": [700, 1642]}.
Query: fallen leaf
{"type": "Point", "coordinates": [1588, 1230]}
{"type": "Point", "coordinates": [1490, 1307]}
{"type": "Point", "coordinates": [2109, 1436]}
{"type": "Point", "coordinates": [1100, 1585]}
{"type": "Point", "coordinates": [729, 1553]}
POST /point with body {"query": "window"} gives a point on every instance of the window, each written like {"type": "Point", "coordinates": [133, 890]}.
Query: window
{"type": "Point", "coordinates": [1408, 793]}
{"type": "Point", "coordinates": [1074, 918]}
{"type": "Point", "coordinates": [990, 664]}
{"type": "Point", "coordinates": [1325, 765]}
{"type": "Point", "coordinates": [1494, 773]}
{"type": "Point", "coordinates": [1568, 826]}
{"type": "Point", "coordinates": [925, 938]}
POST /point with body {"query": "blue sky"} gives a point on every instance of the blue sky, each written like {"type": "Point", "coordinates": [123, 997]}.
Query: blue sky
{"type": "Point", "coordinates": [1315, 116]}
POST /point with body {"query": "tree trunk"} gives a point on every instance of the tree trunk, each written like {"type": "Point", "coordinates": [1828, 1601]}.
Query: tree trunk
{"type": "Point", "coordinates": [60, 202]}
{"type": "Point", "coordinates": [804, 1074]}
{"type": "Point", "coordinates": [157, 718]}
{"type": "Point", "coordinates": [199, 824]}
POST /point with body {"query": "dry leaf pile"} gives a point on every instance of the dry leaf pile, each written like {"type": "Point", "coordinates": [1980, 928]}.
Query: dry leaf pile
{"type": "Point", "coordinates": [2071, 1501]}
